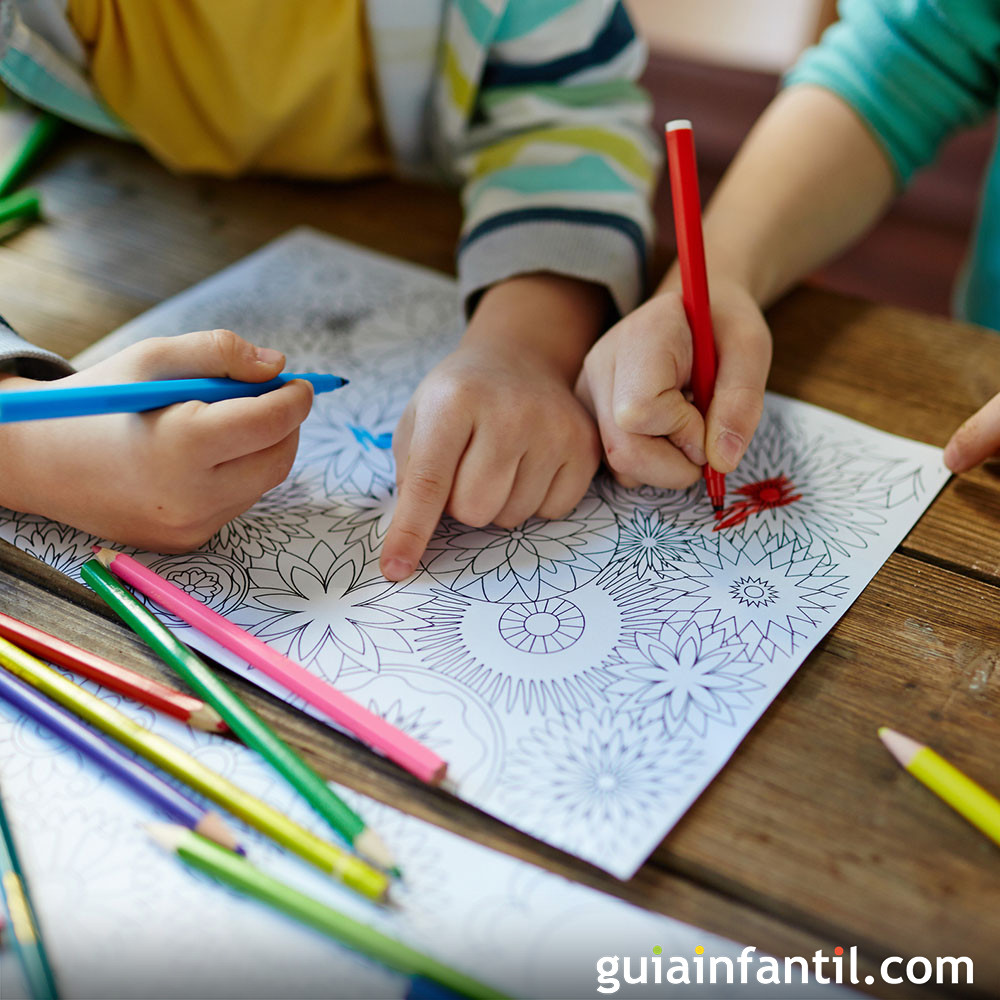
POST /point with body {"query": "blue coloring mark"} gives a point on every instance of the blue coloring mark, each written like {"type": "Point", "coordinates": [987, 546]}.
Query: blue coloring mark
{"type": "Point", "coordinates": [366, 438]}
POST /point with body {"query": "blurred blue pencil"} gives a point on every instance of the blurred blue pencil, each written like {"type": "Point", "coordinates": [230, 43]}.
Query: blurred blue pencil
{"type": "Point", "coordinates": [109, 758]}
{"type": "Point", "coordinates": [135, 397]}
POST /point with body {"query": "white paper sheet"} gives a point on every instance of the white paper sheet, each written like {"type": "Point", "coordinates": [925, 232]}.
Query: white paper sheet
{"type": "Point", "coordinates": [585, 678]}
{"type": "Point", "coordinates": [123, 919]}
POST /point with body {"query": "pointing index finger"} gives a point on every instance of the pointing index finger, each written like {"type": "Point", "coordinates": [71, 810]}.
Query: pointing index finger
{"type": "Point", "coordinates": [435, 449]}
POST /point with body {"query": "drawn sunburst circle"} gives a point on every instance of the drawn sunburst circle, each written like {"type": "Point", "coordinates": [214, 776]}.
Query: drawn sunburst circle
{"type": "Point", "coordinates": [542, 626]}
{"type": "Point", "coordinates": [754, 592]}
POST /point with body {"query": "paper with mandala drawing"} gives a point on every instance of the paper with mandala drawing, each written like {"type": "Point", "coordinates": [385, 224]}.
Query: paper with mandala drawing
{"type": "Point", "coordinates": [586, 678]}
{"type": "Point", "coordinates": [123, 919]}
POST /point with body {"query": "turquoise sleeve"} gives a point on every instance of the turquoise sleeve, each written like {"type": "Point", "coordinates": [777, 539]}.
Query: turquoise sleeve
{"type": "Point", "coordinates": [914, 70]}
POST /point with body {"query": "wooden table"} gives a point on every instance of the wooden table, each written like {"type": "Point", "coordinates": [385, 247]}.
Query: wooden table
{"type": "Point", "coordinates": [811, 837]}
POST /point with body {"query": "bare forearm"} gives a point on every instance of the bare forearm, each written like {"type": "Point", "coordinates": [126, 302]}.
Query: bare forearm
{"type": "Point", "coordinates": [555, 318]}
{"type": "Point", "coordinates": [809, 180]}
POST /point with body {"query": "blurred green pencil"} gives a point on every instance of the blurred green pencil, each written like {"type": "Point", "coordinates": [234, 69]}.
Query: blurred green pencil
{"type": "Point", "coordinates": [24, 205]}
{"type": "Point", "coordinates": [23, 923]}
{"type": "Point", "coordinates": [240, 718]}
{"type": "Point", "coordinates": [237, 872]}
{"type": "Point", "coordinates": [41, 133]}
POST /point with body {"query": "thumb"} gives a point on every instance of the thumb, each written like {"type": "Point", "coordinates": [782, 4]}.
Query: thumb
{"type": "Point", "coordinates": [205, 354]}
{"type": "Point", "coordinates": [744, 359]}
{"type": "Point", "coordinates": [976, 440]}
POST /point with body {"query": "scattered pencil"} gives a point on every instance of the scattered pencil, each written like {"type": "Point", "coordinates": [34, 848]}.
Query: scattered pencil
{"type": "Point", "coordinates": [241, 875]}
{"type": "Point", "coordinates": [25, 206]}
{"type": "Point", "coordinates": [185, 707]}
{"type": "Point", "coordinates": [43, 130]}
{"type": "Point", "coordinates": [108, 757]}
{"type": "Point", "coordinates": [242, 719]}
{"type": "Point", "coordinates": [343, 711]}
{"type": "Point", "coordinates": [329, 858]}
{"type": "Point", "coordinates": [137, 397]}
{"type": "Point", "coordinates": [969, 800]}
{"type": "Point", "coordinates": [24, 926]}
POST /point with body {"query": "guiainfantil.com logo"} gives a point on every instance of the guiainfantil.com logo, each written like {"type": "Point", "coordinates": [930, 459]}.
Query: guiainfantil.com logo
{"type": "Point", "coordinates": [748, 966]}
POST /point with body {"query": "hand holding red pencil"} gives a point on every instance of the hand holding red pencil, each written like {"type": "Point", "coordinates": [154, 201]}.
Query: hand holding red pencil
{"type": "Point", "coordinates": [639, 378]}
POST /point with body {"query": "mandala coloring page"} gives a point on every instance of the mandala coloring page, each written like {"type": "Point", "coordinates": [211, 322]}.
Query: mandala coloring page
{"type": "Point", "coordinates": [585, 678]}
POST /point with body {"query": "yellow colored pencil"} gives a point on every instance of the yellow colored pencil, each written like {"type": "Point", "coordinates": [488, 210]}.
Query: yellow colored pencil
{"type": "Point", "coordinates": [340, 864]}
{"type": "Point", "coordinates": [971, 801]}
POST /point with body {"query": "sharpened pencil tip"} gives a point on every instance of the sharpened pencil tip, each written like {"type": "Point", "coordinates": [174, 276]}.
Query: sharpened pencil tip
{"type": "Point", "coordinates": [104, 555]}
{"type": "Point", "coordinates": [167, 835]}
{"type": "Point", "coordinates": [395, 872]}
{"type": "Point", "coordinates": [903, 748]}
{"type": "Point", "coordinates": [369, 845]}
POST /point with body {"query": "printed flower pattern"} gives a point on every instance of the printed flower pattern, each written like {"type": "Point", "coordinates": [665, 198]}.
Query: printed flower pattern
{"type": "Point", "coordinates": [366, 516]}
{"type": "Point", "coordinates": [337, 443]}
{"type": "Point", "coordinates": [279, 516]}
{"type": "Point", "coordinates": [212, 578]}
{"type": "Point", "coordinates": [62, 547]}
{"type": "Point", "coordinates": [528, 675]}
{"type": "Point", "coordinates": [538, 560]}
{"type": "Point", "coordinates": [584, 782]}
{"type": "Point", "coordinates": [844, 489]}
{"type": "Point", "coordinates": [649, 544]}
{"type": "Point", "coordinates": [318, 605]}
{"type": "Point", "coordinates": [771, 593]}
{"type": "Point", "coordinates": [686, 679]}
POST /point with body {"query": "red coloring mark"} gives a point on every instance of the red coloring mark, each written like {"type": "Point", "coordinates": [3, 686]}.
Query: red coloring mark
{"type": "Point", "coordinates": [765, 495]}
{"type": "Point", "coordinates": [838, 950]}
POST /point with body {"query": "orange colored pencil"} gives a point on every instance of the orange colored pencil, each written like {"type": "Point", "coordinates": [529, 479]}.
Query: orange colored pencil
{"type": "Point", "coordinates": [186, 707]}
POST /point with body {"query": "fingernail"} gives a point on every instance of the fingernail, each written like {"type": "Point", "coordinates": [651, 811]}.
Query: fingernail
{"type": "Point", "coordinates": [695, 454]}
{"type": "Point", "coordinates": [268, 355]}
{"type": "Point", "coordinates": [730, 447]}
{"type": "Point", "coordinates": [397, 569]}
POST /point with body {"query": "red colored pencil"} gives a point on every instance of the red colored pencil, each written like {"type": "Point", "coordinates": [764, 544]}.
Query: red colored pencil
{"type": "Point", "coordinates": [167, 700]}
{"type": "Point", "coordinates": [694, 279]}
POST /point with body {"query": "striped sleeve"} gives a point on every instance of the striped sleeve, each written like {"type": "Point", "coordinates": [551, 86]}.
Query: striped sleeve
{"type": "Point", "coordinates": [19, 357]}
{"type": "Point", "coordinates": [558, 162]}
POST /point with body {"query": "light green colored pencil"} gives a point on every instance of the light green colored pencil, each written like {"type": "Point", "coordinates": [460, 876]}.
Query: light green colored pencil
{"type": "Point", "coordinates": [239, 874]}
{"type": "Point", "coordinates": [329, 858]}
{"type": "Point", "coordinates": [240, 718]}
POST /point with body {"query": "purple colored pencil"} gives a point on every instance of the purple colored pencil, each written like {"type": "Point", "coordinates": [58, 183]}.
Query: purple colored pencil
{"type": "Point", "coordinates": [141, 780]}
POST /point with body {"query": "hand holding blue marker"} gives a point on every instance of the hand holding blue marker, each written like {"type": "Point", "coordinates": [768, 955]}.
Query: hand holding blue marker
{"type": "Point", "coordinates": [136, 397]}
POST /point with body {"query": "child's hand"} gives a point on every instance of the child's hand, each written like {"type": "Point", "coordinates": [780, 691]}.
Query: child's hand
{"type": "Point", "coordinates": [168, 479]}
{"type": "Point", "coordinates": [634, 382]}
{"type": "Point", "coordinates": [494, 433]}
{"type": "Point", "coordinates": [976, 440]}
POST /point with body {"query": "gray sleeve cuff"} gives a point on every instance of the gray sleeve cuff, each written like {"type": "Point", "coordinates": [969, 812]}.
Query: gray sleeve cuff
{"type": "Point", "coordinates": [609, 251]}
{"type": "Point", "coordinates": [19, 357]}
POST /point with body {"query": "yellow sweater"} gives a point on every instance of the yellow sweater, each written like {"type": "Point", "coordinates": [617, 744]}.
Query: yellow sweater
{"type": "Point", "coordinates": [231, 86]}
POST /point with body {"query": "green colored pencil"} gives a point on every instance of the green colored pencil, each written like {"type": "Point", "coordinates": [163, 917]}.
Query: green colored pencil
{"type": "Point", "coordinates": [329, 858]}
{"type": "Point", "coordinates": [41, 133]}
{"type": "Point", "coordinates": [240, 718]}
{"type": "Point", "coordinates": [23, 923]}
{"type": "Point", "coordinates": [239, 874]}
{"type": "Point", "coordinates": [24, 205]}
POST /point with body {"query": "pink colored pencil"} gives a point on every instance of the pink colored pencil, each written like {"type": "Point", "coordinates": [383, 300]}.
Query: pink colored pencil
{"type": "Point", "coordinates": [344, 711]}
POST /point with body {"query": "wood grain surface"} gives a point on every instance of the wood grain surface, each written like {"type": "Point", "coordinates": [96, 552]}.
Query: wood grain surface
{"type": "Point", "coordinates": [811, 836]}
